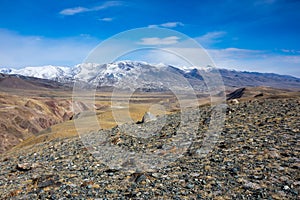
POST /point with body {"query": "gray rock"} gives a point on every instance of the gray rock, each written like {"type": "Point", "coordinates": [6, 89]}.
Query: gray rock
{"type": "Point", "coordinates": [147, 118]}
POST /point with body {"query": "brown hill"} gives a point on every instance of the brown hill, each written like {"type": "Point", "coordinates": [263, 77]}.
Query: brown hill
{"type": "Point", "coordinates": [16, 83]}
{"type": "Point", "coordinates": [260, 92]}
{"type": "Point", "coordinates": [30, 83]}
{"type": "Point", "coordinates": [22, 117]}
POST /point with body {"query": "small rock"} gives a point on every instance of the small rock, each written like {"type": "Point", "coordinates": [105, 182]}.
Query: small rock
{"type": "Point", "coordinates": [274, 154]}
{"type": "Point", "coordinates": [147, 118]}
{"type": "Point", "coordinates": [89, 186]}
{"type": "Point", "coordinates": [46, 183]}
{"type": "Point", "coordinates": [190, 186]}
{"type": "Point", "coordinates": [286, 187]}
{"type": "Point", "coordinates": [140, 178]}
{"type": "Point", "coordinates": [234, 171]}
{"type": "Point", "coordinates": [110, 174]}
{"type": "Point", "coordinates": [24, 167]}
{"type": "Point", "coordinates": [251, 185]}
{"type": "Point", "coordinates": [87, 183]}
{"type": "Point", "coordinates": [235, 101]}
{"type": "Point", "coordinates": [156, 175]}
{"type": "Point", "coordinates": [195, 174]}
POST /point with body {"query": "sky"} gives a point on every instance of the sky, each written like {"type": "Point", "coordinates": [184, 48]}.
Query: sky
{"type": "Point", "coordinates": [249, 35]}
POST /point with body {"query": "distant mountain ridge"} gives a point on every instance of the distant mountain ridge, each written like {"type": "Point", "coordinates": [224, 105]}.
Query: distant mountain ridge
{"type": "Point", "coordinates": [113, 74]}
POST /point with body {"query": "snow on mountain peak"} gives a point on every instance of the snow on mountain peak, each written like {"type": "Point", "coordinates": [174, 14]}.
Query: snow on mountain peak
{"type": "Point", "coordinates": [93, 73]}
{"type": "Point", "coordinates": [45, 72]}
{"type": "Point", "coordinates": [5, 70]}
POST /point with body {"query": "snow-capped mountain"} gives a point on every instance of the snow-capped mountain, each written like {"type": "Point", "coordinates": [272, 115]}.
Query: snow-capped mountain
{"type": "Point", "coordinates": [134, 74]}
{"type": "Point", "coordinates": [101, 74]}
{"type": "Point", "coordinates": [86, 72]}
{"type": "Point", "coordinates": [131, 75]}
{"type": "Point", "coordinates": [107, 74]}
{"type": "Point", "coordinates": [50, 72]}
{"type": "Point", "coordinates": [5, 71]}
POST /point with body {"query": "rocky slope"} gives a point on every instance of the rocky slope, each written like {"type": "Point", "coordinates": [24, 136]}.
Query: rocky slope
{"type": "Point", "coordinates": [256, 157]}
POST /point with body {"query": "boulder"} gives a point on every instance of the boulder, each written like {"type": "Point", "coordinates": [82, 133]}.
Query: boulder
{"type": "Point", "coordinates": [147, 117]}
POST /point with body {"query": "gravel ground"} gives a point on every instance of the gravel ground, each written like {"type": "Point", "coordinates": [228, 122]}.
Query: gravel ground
{"type": "Point", "coordinates": [256, 157]}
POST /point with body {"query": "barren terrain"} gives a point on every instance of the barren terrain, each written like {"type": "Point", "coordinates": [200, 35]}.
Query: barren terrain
{"type": "Point", "coordinates": [256, 157]}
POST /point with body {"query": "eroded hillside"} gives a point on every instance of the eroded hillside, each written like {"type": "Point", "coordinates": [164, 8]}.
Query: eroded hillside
{"type": "Point", "coordinates": [21, 117]}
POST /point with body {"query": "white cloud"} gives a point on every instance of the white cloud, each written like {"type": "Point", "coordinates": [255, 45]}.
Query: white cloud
{"type": "Point", "coordinates": [106, 19]}
{"type": "Point", "coordinates": [73, 11]}
{"type": "Point", "coordinates": [210, 38]}
{"type": "Point", "coordinates": [172, 24]}
{"type": "Point", "coordinates": [159, 41]}
{"type": "Point", "coordinates": [166, 25]}
{"type": "Point", "coordinates": [19, 51]}
{"type": "Point", "coordinates": [256, 60]}
{"type": "Point", "coordinates": [285, 50]}
{"type": "Point", "coordinates": [292, 51]}
{"type": "Point", "coordinates": [76, 10]}
{"type": "Point", "coordinates": [236, 53]}
{"type": "Point", "coordinates": [158, 56]}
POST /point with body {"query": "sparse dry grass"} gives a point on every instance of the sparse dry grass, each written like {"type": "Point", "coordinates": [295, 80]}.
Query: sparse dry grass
{"type": "Point", "coordinates": [122, 109]}
{"type": "Point", "coordinates": [128, 108]}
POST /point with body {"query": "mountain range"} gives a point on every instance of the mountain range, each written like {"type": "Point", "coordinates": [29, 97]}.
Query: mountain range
{"type": "Point", "coordinates": [141, 74]}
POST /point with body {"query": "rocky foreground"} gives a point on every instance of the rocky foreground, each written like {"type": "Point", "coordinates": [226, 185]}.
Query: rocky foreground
{"type": "Point", "coordinates": [256, 157]}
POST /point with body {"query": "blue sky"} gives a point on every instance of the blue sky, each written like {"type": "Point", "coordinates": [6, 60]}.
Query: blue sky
{"type": "Point", "coordinates": [260, 35]}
